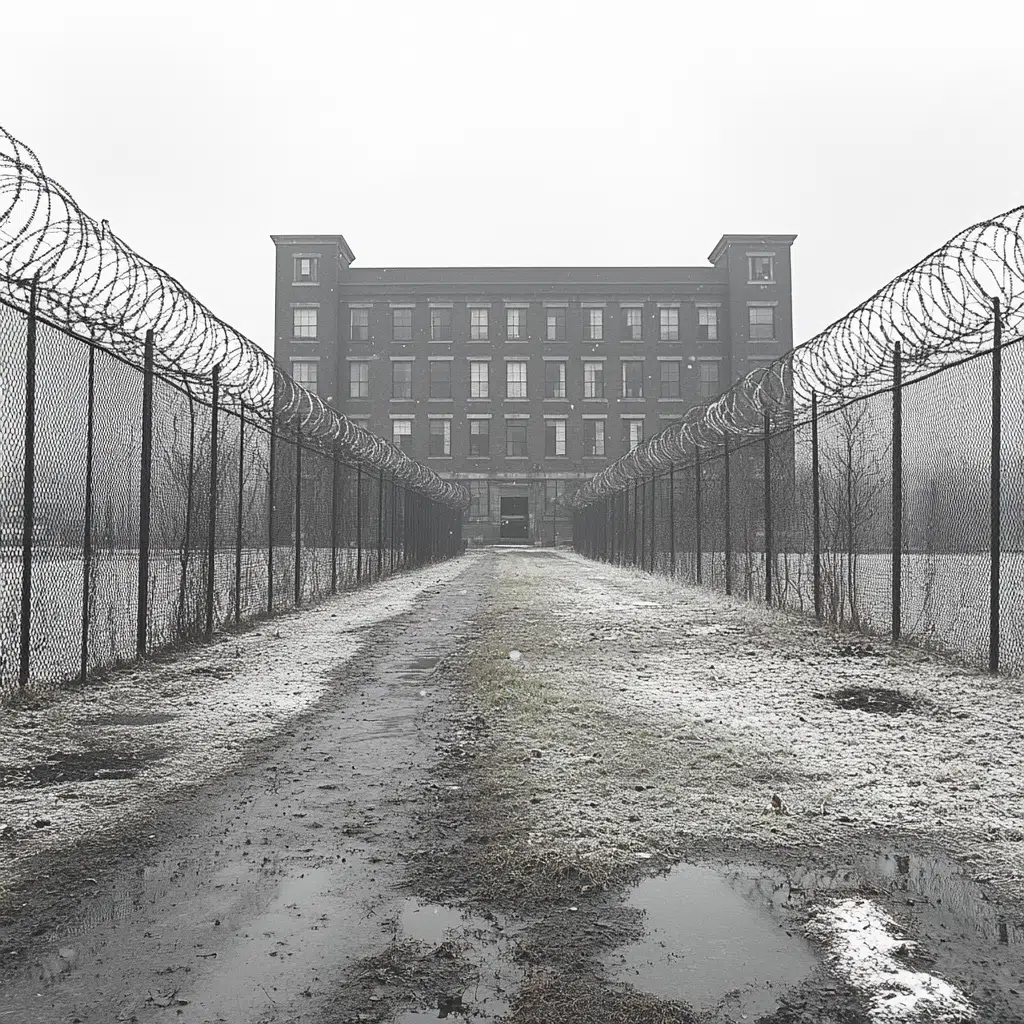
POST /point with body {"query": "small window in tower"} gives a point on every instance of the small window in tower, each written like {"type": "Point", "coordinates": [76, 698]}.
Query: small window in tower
{"type": "Point", "coordinates": [762, 268]}
{"type": "Point", "coordinates": [306, 269]}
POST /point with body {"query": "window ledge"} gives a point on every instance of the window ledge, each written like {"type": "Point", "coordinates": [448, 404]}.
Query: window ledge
{"type": "Point", "coordinates": [597, 400]}
{"type": "Point", "coordinates": [441, 400]}
{"type": "Point", "coordinates": [631, 341]}
{"type": "Point", "coordinates": [595, 456]}
{"type": "Point", "coordinates": [440, 341]}
{"type": "Point", "coordinates": [517, 458]}
{"type": "Point", "coordinates": [401, 399]}
{"type": "Point", "coordinates": [304, 341]}
{"type": "Point", "coordinates": [762, 341]}
{"type": "Point", "coordinates": [479, 458]}
{"type": "Point", "coordinates": [477, 341]}
{"type": "Point", "coordinates": [515, 399]}
{"type": "Point", "coordinates": [477, 399]}
{"type": "Point", "coordinates": [557, 458]}
{"type": "Point", "coordinates": [772, 281]}
{"type": "Point", "coordinates": [440, 458]}
{"type": "Point", "coordinates": [556, 399]}
{"type": "Point", "coordinates": [632, 399]}
{"type": "Point", "coordinates": [671, 399]}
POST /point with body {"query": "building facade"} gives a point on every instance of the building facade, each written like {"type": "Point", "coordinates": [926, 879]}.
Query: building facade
{"type": "Point", "coordinates": [520, 382]}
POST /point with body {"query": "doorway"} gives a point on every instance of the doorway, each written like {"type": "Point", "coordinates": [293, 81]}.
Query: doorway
{"type": "Point", "coordinates": [515, 518]}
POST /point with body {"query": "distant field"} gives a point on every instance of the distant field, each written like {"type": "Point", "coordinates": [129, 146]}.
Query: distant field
{"type": "Point", "coordinates": [56, 627]}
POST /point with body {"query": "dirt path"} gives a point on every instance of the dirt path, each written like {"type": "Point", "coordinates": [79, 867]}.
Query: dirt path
{"type": "Point", "coordinates": [584, 832]}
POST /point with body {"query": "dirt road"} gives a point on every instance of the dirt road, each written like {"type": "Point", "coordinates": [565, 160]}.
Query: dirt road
{"type": "Point", "coordinates": [524, 787]}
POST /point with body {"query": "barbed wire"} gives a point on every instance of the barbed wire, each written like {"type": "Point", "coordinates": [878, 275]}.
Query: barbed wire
{"type": "Point", "coordinates": [93, 284]}
{"type": "Point", "coordinates": [939, 311]}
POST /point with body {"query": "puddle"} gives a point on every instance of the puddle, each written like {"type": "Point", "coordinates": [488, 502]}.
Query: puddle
{"type": "Point", "coordinates": [707, 945]}
{"type": "Point", "coordinates": [731, 940]}
{"type": "Point", "coordinates": [484, 943]}
{"type": "Point", "coordinates": [79, 766]}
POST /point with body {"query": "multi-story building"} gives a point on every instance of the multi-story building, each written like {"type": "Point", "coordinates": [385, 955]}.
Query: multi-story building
{"type": "Point", "coordinates": [521, 381]}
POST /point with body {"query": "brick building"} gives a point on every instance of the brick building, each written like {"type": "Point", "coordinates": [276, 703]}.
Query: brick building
{"type": "Point", "coordinates": [521, 381]}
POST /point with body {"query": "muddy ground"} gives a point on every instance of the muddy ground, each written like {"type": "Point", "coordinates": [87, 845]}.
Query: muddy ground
{"type": "Point", "coordinates": [644, 816]}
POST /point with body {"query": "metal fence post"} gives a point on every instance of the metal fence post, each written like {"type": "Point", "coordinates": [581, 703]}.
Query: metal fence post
{"type": "Point", "coordinates": [145, 497]}
{"type": "Point", "coordinates": [334, 521]}
{"type": "Point", "coordinates": [359, 524]}
{"type": "Point", "coordinates": [241, 512]}
{"type": "Point", "coordinates": [672, 519]}
{"type": "Point", "coordinates": [29, 488]}
{"type": "Point", "coordinates": [654, 518]}
{"type": "Point", "coordinates": [995, 508]}
{"type": "Point", "coordinates": [816, 503]}
{"type": "Point", "coordinates": [767, 508]}
{"type": "Point", "coordinates": [298, 514]}
{"type": "Point", "coordinates": [211, 546]}
{"type": "Point", "coordinates": [380, 523]}
{"type": "Point", "coordinates": [698, 514]}
{"type": "Point", "coordinates": [897, 491]}
{"type": "Point", "coordinates": [394, 520]}
{"type": "Point", "coordinates": [727, 495]}
{"type": "Point", "coordinates": [87, 530]}
{"type": "Point", "coordinates": [270, 515]}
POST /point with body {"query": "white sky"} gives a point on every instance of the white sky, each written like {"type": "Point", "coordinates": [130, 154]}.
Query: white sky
{"type": "Point", "coordinates": [462, 133]}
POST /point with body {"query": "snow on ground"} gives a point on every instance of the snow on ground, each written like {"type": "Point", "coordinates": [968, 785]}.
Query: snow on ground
{"type": "Point", "coordinates": [864, 944]}
{"type": "Point", "coordinates": [663, 711]}
{"type": "Point", "coordinates": [189, 717]}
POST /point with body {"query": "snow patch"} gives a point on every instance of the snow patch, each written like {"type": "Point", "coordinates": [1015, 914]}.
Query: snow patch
{"type": "Point", "coordinates": [863, 944]}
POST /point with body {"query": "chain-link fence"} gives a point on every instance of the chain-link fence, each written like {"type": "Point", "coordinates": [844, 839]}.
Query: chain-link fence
{"type": "Point", "coordinates": [873, 477]}
{"type": "Point", "coordinates": [160, 478]}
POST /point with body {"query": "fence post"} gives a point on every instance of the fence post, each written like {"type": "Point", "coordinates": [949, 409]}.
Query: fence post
{"type": "Point", "coordinates": [241, 512]}
{"type": "Point", "coordinates": [145, 496]}
{"type": "Point", "coordinates": [211, 538]}
{"type": "Point", "coordinates": [359, 524]}
{"type": "Point", "coordinates": [380, 524]}
{"type": "Point", "coordinates": [816, 503]}
{"type": "Point", "coordinates": [698, 513]}
{"type": "Point", "coordinates": [298, 514]}
{"type": "Point", "coordinates": [334, 521]}
{"type": "Point", "coordinates": [727, 482]}
{"type": "Point", "coordinates": [394, 522]}
{"type": "Point", "coordinates": [995, 541]}
{"type": "Point", "coordinates": [767, 508]}
{"type": "Point", "coordinates": [270, 515]}
{"type": "Point", "coordinates": [672, 518]}
{"type": "Point", "coordinates": [632, 546]}
{"type": "Point", "coordinates": [29, 488]}
{"type": "Point", "coordinates": [87, 530]}
{"type": "Point", "coordinates": [654, 517]}
{"type": "Point", "coordinates": [897, 491]}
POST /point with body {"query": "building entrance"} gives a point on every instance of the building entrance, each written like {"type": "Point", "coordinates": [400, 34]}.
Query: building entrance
{"type": "Point", "coordinates": [515, 518]}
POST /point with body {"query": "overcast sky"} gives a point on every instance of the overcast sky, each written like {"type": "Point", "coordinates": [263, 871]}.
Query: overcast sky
{"type": "Point", "coordinates": [522, 133]}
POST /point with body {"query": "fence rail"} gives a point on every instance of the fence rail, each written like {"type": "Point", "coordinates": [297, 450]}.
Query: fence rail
{"type": "Point", "coordinates": [160, 478]}
{"type": "Point", "coordinates": [873, 477]}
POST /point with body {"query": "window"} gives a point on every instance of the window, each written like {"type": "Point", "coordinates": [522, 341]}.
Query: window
{"type": "Point", "coordinates": [633, 378]}
{"type": "Point", "coordinates": [515, 439]}
{"type": "Point", "coordinates": [440, 325]}
{"type": "Point", "coordinates": [554, 379]}
{"type": "Point", "coordinates": [635, 433]}
{"type": "Point", "coordinates": [401, 324]}
{"type": "Point", "coordinates": [440, 378]}
{"type": "Point", "coordinates": [595, 324]}
{"type": "Point", "coordinates": [305, 373]}
{"type": "Point", "coordinates": [593, 380]}
{"type": "Point", "coordinates": [304, 323]}
{"type": "Point", "coordinates": [762, 268]}
{"type": "Point", "coordinates": [708, 378]}
{"type": "Point", "coordinates": [634, 325]}
{"type": "Point", "coordinates": [670, 379]}
{"type": "Point", "coordinates": [480, 438]}
{"type": "Point", "coordinates": [401, 434]}
{"type": "Point", "coordinates": [669, 324]}
{"type": "Point", "coordinates": [554, 437]}
{"type": "Point", "coordinates": [359, 380]}
{"type": "Point", "coordinates": [593, 438]}
{"type": "Point", "coordinates": [480, 504]}
{"type": "Point", "coordinates": [515, 324]}
{"type": "Point", "coordinates": [401, 379]}
{"type": "Point", "coordinates": [306, 269]}
{"type": "Point", "coordinates": [478, 324]}
{"type": "Point", "coordinates": [359, 322]}
{"type": "Point", "coordinates": [762, 323]}
{"type": "Point", "coordinates": [707, 325]}
{"type": "Point", "coordinates": [478, 382]}
{"type": "Point", "coordinates": [440, 438]}
{"type": "Point", "coordinates": [556, 325]}
{"type": "Point", "coordinates": [515, 380]}
{"type": "Point", "coordinates": [553, 490]}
